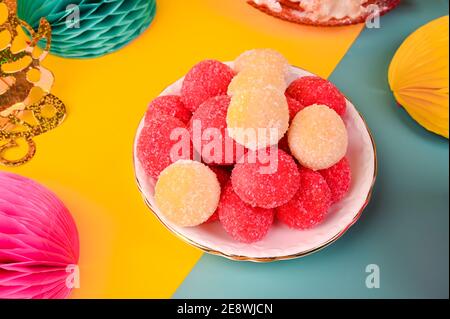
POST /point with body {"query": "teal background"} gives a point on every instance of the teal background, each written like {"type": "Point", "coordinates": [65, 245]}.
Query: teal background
{"type": "Point", "coordinates": [405, 229]}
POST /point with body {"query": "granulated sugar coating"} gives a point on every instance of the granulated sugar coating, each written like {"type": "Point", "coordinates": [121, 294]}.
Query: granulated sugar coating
{"type": "Point", "coordinates": [268, 60]}
{"type": "Point", "coordinates": [339, 179]}
{"type": "Point", "coordinates": [168, 105]}
{"type": "Point", "coordinates": [242, 222]}
{"type": "Point", "coordinates": [267, 178]}
{"type": "Point", "coordinates": [258, 118]}
{"type": "Point", "coordinates": [311, 90]}
{"type": "Point", "coordinates": [223, 176]}
{"type": "Point", "coordinates": [208, 129]}
{"type": "Point", "coordinates": [310, 205]}
{"type": "Point", "coordinates": [318, 137]}
{"type": "Point", "coordinates": [187, 193]}
{"type": "Point", "coordinates": [205, 80]}
{"type": "Point", "coordinates": [294, 107]}
{"type": "Point", "coordinates": [284, 145]}
{"type": "Point", "coordinates": [155, 148]}
{"type": "Point", "coordinates": [214, 218]}
{"type": "Point", "coordinates": [273, 151]}
{"type": "Point", "coordinates": [255, 78]}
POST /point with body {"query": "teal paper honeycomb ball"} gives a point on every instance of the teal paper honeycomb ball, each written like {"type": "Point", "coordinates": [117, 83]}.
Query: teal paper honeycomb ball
{"type": "Point", "coordinates": [104, 25]}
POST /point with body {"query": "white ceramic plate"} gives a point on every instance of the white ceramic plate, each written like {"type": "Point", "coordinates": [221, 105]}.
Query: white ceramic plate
{"type": "Point", "coordinates": [282, 242]}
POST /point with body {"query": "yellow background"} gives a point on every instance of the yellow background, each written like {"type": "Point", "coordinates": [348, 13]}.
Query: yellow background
{"type": "Point", "coordinates": [125, 252]}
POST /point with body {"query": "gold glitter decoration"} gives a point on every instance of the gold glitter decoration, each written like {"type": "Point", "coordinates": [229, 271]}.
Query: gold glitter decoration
{"type": "Point", "coordinates": [27, 108]}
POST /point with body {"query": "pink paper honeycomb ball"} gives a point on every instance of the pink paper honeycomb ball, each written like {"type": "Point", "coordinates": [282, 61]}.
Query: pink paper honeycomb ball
{"type": "Point", "coordinates": [38, 241]}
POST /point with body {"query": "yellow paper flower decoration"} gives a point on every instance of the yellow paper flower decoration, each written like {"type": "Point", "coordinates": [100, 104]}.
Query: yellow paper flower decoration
{"type": "Point", "coordinates": [418, 76]}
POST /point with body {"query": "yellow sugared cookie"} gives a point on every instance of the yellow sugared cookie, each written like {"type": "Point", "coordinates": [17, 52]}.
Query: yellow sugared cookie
{"type": "Point", "coordinates": [262, 59]}
{"type": "Point", "coordinates": [318, 137]}
{"type": "Point", "coordinates": [258, 118]}
{"type": "Point", "coordinates": [187, 193]}
{"type": "Point", "coordinates": [253, 78]}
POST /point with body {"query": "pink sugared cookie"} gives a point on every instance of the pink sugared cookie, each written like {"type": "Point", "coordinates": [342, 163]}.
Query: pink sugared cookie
{"type": "Point", "coordinates": [208, 129]}
{"type": "Point", "coordinates": [310, 90]}
{"type": "Point", "coordinates": [156, 150]}
{"type": "Point", "coordinates": [241, 221]}
{"type": "Point", "coordinates": [310, 205]}
{"type": "Point", "coordinates": [266, 178]}
{"type": "Point", "coordinates": [168, 105]}
{"type": "Point", "coordinates": [223, 176]}
{"type": "Point", "coordinates": [205, 80]}
{"type": "Point", "coordinates": [284, 145]}
{"type": "Point", "coordinates": [294, 107]}
{"type": "Point", "coordinates": [339, 179]}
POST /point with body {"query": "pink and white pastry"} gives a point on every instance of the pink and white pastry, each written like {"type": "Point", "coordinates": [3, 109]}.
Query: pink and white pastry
{"type": "Point", "coordinates": [324, 12]}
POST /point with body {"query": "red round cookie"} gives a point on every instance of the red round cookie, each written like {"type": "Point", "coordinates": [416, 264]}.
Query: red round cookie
{"type": "Point", "coordinates": [207, 79]}
{"type": "Point", "coordinates": [168, 105]}
{"type": "Point", "coordinates": [339, 179]}
{"type": "Point", "coordinates": [267, 178]}
{"type": "Point", "coordinates": [310, 90]}
{"type": "Point", "coordinates": [294, 107]}
{"type": "Point", "coordinates": [155, 148]}
{"type": "Point", "coordinates": [223, 176]}
{"type": "Point", "coordinates": [283, 145]}
{"type": "Point", "coordinates": [310, 205]}
{"type": "Point", "coordinates": [208, 129]}
{"type": "Point", "coordinates": [242, 222]}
